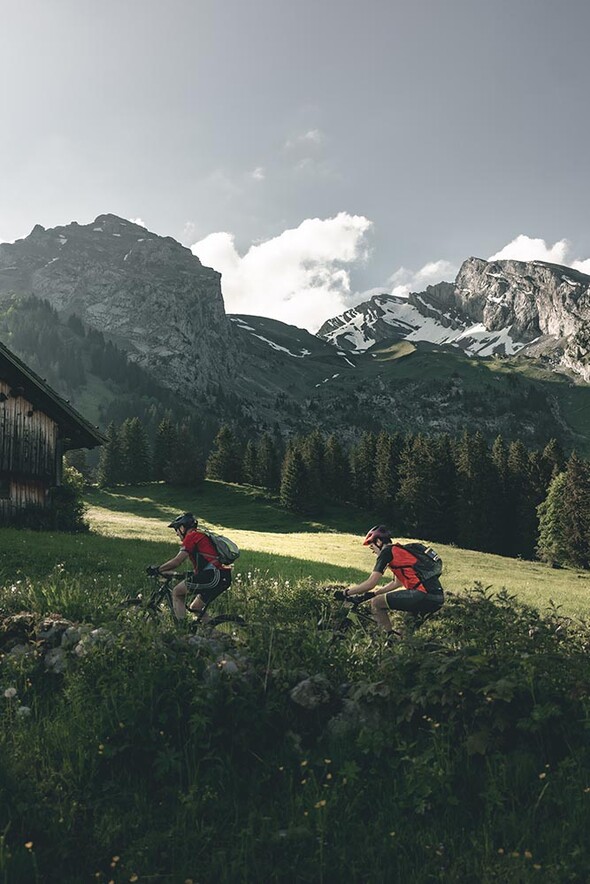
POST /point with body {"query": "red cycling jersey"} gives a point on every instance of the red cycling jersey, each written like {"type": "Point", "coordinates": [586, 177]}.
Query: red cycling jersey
{"type": "Point", "coordinates": [196, 543]}
{"type": "Point", "coordinates": [401, 562]}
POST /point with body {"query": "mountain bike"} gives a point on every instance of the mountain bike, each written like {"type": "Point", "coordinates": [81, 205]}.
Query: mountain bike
{"type": "Point", "coordinates": [353, 614]}
{"type": "Point", "coordinates": [158, 603]}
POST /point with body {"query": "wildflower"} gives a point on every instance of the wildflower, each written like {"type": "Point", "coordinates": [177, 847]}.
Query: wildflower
{"type": "Point", "coordinates": [501, 851]}
{"type": "Point", "coordinates": [587, 789]}
{"type": "Point", "coordinates": [23, 711]}
{"type": "Point", "coordinates": [537, 866]}
{"type": "Point", "coordinates": [542, 776]}
{"type": "Point", "coordinates": [329, 776]}
{"type": "Point", "coordinates": [29, 845]}
{"type": "Point", "coordinates": [327, 761]}
{"type": "Point", "coordinates": [528, 854]}
{"type": "Point", "coordinates": [134, 877]}
{"type": "Point", "coordinates": [304, 763]}
{"type": "Point", "coordinates": [515, 854]}
{"type": "Point", "coordinates": [319, 804]}
{"type": "Point", "coordinates": [392, 834]}
{"type": "Point", "coordinates": [9, 693]}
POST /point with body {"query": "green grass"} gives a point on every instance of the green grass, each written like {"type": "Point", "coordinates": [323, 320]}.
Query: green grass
{"type": "Point", "coordinates": [152, 757]}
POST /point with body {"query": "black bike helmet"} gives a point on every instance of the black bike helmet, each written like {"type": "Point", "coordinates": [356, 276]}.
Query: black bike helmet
{"type": "Point", "coordinates": [186, 520]}
{"type": "Point", "coordinates": [378, 532]}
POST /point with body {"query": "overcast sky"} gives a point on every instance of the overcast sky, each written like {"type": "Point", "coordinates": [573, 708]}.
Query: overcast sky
{"type": "Point", "coordinates": [312, 151]}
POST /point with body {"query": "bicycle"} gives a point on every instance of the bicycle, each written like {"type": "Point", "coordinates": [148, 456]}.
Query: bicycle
{"type": "Point", "coordinates": [352, 615]}
{"type": "Point", "coordinates": [159, 602]}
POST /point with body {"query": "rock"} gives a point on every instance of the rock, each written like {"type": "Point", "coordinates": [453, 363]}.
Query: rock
{"type": "Point", "coordinates": [51, 630]}
{"type": "Point", "coordinates": [56, 661]}
{"type": "Point", "coordinates": [312, 692]}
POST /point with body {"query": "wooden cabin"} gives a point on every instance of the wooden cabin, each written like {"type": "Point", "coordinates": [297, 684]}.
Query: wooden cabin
{"type": "Point", "coordinates": [36, 428]}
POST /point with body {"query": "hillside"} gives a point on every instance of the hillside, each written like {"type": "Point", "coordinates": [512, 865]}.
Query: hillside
{"type": "Point", "coordinates": [123, 322]}
{"type": "Point", "coordinates": [122, 736]}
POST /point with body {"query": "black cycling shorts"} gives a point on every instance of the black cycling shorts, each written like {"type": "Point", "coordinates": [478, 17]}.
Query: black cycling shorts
{"type": "Point", "coordinates": [209, 583]}
{"type": "Point", "coordinates": [414, 601]}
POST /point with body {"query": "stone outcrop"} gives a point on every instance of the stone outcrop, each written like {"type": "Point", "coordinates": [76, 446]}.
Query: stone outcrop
{"type": "Point", "coordinates": [147, 293]}
{"type": "Point", "coordinates": [493, 307]}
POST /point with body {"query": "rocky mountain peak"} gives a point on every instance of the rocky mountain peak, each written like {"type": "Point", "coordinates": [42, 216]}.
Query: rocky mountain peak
{"type": "Point", "coordinates": [148, 293]}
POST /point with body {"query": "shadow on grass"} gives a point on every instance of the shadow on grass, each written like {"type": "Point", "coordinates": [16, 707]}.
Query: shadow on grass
{"type": "Point", "coordinates": [37, 555]}
{"type": "Point", "coordinates": [244, 507]}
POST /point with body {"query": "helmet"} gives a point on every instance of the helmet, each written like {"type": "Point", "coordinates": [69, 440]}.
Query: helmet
{"type": "Point", "coordinates": [186, 520]}
{"type": "Point", "coordinates": [377, 532]}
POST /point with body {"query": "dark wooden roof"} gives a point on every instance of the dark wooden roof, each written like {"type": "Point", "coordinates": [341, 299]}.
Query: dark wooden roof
{"type": "Point", "coordinates": [74, 430]}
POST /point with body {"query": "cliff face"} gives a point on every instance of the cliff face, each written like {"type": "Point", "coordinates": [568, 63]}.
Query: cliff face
{"type": "Point", "coordinates": [536, 300]}
{"type": "Point", "coordinates": [493, 307]}
{"type": "Point", "coordinates": [149, 293]}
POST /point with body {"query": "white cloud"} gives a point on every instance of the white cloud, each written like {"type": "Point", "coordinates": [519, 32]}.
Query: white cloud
{"type": "Point", "coordinates": [299, 277]}
{"type": "Point", "coordinates": [525, 248]}
{"type": "Point", "coordinates": [305, 139]}
{"type": "Point", "coordinates": [582, 266]}
{"type": "Point", "coordinates": [258, 174]}
{"type": "Point", "coordinates": [404, 281]}
{"type": "Point", "coordinates": [138, 221]}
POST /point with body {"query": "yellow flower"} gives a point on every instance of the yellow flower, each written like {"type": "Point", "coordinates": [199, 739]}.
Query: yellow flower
{"type": "Point", "coordinates": [134, 877]}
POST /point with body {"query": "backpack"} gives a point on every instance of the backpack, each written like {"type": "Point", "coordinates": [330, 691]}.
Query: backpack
{"type": "Point", "coordinates": [227, 551]}
{"type": "Point", "coordinates": [429, 562]}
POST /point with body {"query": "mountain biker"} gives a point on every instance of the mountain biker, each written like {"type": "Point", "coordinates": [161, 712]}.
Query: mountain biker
{"type": "Point", "coordinates": [416, 596]}
{"type": "Point", "coordinates": [209, 577]}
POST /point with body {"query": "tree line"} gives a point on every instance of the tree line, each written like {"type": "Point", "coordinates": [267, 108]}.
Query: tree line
{"type": "Point", "coordinates": [503, 498]}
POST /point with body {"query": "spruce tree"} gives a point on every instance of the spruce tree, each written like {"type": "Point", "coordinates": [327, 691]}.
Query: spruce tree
{"type": "Point", "coordinates": [164, 450]}
{"type": "Point", "coordinates": [313, 450]}
{"type": "Point", "coordinates": [476, 494]}
{"type": "Point", "coordinates": [386, 477]}
{"type": "Point", "coordinates": [336, 471]}
{"type": "Point", "coordinates": [521, 503]}
{"type": "Point", "coordinates": [224, 462]}
{"type": "Point", "coordinates": [250, 464]}
{"type": "Point", "coordinates": [362, 465]}
{"type": "Point", "coordinates": [135, 453]}
{"type": "Point", "coordinates": [269, 463]}
{"type": "Point", "coordinates": [187, 465]}
{"type": "Point", "coordinates": [577, 512]}
{"type": "Point", "coordinates": [293, 491]}
{"type": "Point", "coordinates": [551, 546]}
{"type": "Point", "coordinates": [110, 465]}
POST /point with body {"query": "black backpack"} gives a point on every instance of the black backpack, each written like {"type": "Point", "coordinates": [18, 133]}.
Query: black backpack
{"type": "Point", "coordinates": [429, 562]}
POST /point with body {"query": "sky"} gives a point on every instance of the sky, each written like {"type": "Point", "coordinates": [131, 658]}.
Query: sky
{"type": "Point", "coordinates": [313, 152]}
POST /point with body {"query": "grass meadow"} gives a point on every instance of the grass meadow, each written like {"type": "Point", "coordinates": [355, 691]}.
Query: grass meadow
{"type": "Point", "coordinates": [136, 750]}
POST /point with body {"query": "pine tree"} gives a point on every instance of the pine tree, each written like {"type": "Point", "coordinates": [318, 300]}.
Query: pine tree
{"type": "Point", "coordinates": [164, 448]}
{"type": "Point", "coordinates": [293, 489]}
{"type": "Point", "coordinates": [224, 462]}
{"type": "Point", "coordinates": [313, 450]}
{"type": "Point", "coordinates": [269, 463]}
{"type": "Point", "coordinates": [551, 546]}
{"type": "Point", "coordinates": [336, 471]}
{"type": "Point", "coordinates": [362, 467]}
{"type": "Point", "coordinates": [476, 494]}
{"type": "Point", "coordinates": [135, 452]}
{"type": "Point", "coordinates": [386, 482]}
{"type": "Point", "coordinates": [521, 503]}
{"type": "Point", "coordinates": [250, 464]}
{"type": "Point", "coordinates": [187, 465]}
{"type": "Point", "coordinates": [577, 512]}
{"type": "Point", "coordinates": [110, 465]}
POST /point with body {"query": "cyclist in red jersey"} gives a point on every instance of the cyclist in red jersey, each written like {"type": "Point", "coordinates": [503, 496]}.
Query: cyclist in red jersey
{"type": "Point", "coordinates": [406, 592]}
{"type": "Point", "coordinates": [209, 577]}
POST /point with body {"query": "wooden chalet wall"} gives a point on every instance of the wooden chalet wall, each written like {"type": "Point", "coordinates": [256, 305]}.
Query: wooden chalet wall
{"type": "Point", "coordinates": [30, 456]}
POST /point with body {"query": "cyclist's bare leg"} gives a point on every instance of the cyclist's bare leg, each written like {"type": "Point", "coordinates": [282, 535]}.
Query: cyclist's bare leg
{"type": "Point", "coordinates": [178, 600]}
{"type": "Point", "coordinates": [199, 607]}
{"type": "Point", "coordinates": [380, 612]}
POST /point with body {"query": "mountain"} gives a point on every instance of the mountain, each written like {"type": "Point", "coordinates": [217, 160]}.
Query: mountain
{"type": "Point", "coordinates": [149, 294]}
{"type": "Point", "coordinates": [123, 322]}
{"type": "Point", "coordinates": [492, 308]}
